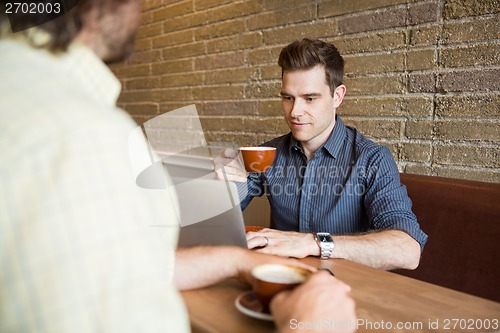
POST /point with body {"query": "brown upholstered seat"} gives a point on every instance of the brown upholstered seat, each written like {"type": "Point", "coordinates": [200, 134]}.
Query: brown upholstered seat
{"type": "Point", "coordinates": [462, 219]}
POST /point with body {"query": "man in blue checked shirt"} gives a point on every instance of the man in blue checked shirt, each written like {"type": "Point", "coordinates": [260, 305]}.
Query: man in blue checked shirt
{"type": "Point", "coordinates": [333, 192]}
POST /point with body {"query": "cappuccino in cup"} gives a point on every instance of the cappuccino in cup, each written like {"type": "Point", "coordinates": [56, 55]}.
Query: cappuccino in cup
{"type": "Point", "coordinates": [270, 279]}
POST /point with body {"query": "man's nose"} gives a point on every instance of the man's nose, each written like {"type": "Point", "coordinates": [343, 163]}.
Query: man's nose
{"type": "Point", "coordinates": [297, 109]}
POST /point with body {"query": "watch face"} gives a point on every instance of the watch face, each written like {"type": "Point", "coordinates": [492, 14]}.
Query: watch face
{"type": "Point", "coordinates": [325, 238]}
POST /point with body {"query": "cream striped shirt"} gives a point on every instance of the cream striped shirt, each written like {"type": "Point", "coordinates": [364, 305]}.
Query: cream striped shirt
{"type": "Point", "coordinates": [77, 253]}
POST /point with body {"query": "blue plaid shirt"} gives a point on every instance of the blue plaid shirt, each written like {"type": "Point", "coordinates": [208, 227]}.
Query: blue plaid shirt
{"type": "Point", "coordinates": [350, 185]}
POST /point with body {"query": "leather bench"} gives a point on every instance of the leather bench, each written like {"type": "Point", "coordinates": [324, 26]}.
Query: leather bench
{"type": "Point", "coordinates": [462, 219]}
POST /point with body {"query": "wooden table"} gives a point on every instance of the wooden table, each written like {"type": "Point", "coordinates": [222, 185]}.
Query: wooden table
{"type": "Point", "coordinates": [385, 302]}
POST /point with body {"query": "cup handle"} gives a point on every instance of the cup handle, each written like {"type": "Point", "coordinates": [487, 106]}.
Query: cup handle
{"type": "Point", "coordinates": [327, 270]}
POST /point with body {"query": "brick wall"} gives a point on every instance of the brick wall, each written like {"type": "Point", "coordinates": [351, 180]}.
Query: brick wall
{"type": "Point", "coordinates": [423, 77]}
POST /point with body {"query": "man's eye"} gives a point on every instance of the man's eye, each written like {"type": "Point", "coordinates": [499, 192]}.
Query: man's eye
{"type": "Point", "coordinates": [311, 99]}
{"type": "Point", "coordinates": [287, 98]}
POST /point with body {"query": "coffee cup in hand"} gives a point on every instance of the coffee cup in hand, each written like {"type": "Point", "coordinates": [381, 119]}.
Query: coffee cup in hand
{"type": "Point", "coordinates": [258, 159]}
{"type": "Point", "coordinates": [270, 279]}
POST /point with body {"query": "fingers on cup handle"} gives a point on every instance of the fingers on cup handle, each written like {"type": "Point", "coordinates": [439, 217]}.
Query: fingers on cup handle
{"type": "Point", "coordinates": [229, 153]}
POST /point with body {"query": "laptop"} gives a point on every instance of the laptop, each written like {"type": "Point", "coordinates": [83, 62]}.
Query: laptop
{"type": "Point", "coordinates": [209, 213]}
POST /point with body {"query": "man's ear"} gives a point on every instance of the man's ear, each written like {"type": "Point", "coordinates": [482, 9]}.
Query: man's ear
{"type": "Point", "coordinates": [338, 95]}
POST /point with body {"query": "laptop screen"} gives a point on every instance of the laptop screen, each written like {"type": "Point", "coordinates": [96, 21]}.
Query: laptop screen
{"type": "Point", "coordinates": [209, 212]}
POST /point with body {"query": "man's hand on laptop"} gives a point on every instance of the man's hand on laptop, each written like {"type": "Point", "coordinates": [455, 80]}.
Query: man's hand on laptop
{"type": "Point", "coordinates": [283, 243]}
{"type": "Point", "coordinates": [229, 166]}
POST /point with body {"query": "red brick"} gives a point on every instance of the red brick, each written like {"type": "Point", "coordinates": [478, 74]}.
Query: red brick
{"type": "Point", "coordinates": [421, 59]}
{"type": "Point", "coordinates": [171, 106]}
{"type": "Point", "coordinates": [380, 63]}
{"type": "Point", "coordinates": [143, 83]}
{"type": "Point", "coordinates": [225, 123]}
{"type": "Point", "coordinates": [220, 60]}
{"type": "Point", "coordinates": [476, 106]}
{"type": "Point", "coordinates": [474, 55]}
{"type": "Point", "coordinates": [138, 96]}
{"type": "Point", "coordinates": [470, 130]}
{"type": "Point", "coordinates": [174, 10]}
{"type": "Point", "coordinates": [175, 66]}
{"type": "Point", "coordinates": [376, 128]}
{"type": "Point", "coordinates": [420, 13]}
{"type": "Point", "coordinates": [270, 72]}
{"type": "Point", "coordinates": [467, 155]}
{"type": "Point", "coordinates": [205, 4]}
{"type": "Point", "coordinates": [142, 108]}
{"type": "Point", "coordinates": [270, 107]}
{"type": "Point", "coordinates": [263, 90]}
{"type": "Point", "coordinates": [481, 175]}
{"type": "Point", "coordinates": [233, 10]}
{"type": "Point", "coordinates": [173, 38]}
{"type": "Point", "coordinates": [221, 92]}
{"type": "Point", "coordinates": [425, 35]}
{"type": "Point", "coordinates": [264, 55]}
{"type": "Point", "coordinates": [436, 118]}
{"type": "Point", "coordinates": [414, 152]}
{"type": "Point", "coordinates": [176, 95]}
{"type": "Point", "coordinates": [234, 43]}
{"type": "Point", "coordinates": [143, 45]}
{"type": "Point", "coordinates": [150, 30]}
{"type": "Point", "coordinates": [286, 34]}
{"type": "Point", "coordinates": [420, 129]}
{"type": "Point", "coordinates": [393, 18]}
{"type": "Point", "coordinates": [182, 80]}
{"type": "Point", "coordinates": [286, 16]}
{"type": "Point", "coordinates": [229, 108]}
{"type": "Point", "coordinates": [461, 8]}
{"type": "Point", "coordinates": [275, 5]}
{"type": "Point", "coordinates": [470, 80]}
{"type": "Point", "coordinates": [231, 75]}
{"type": "Point", "coordinates": [370, 43]}
{"type": "Point", "coordinates": [145, 57]}
{"type": "Point", "coordinates": [151, 4]}
{"type": "Point", "coordinates": [190, 20]}
{"type": "Point", "coordinates": [225, 28]}
{"type": "Point", "coordinates": [394, 84]}
{"type": "Point", "coordinates": [388, 106]}
{"type": "Point", "coordinates": [132, 71]}
{"type": "Point", "coordinates": [475, 30]}
{"type": "Point", "coordinates": [183, 51]}
{"type": "Point", "coordinates": [422, 83]}
{"type": "Point", "coordinates": [333, 8]}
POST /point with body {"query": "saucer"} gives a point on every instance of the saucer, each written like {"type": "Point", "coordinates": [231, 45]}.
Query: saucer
{"type": "Point", "coordinates": [248, 304]}
{"type": "Point", "coordinates": [253, 228]}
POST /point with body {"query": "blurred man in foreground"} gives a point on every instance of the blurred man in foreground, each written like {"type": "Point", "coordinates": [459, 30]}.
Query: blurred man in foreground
{"type": "Point", "coordinates": [77, 252]}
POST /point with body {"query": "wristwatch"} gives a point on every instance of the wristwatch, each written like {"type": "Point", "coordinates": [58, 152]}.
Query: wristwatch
{"type": "Point", "coordinates": [325, 243]}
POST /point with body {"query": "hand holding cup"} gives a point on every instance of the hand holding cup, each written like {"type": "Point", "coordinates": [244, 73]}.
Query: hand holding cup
{"type": "Point", "coordinates": [229, 166]}
{"type": "Point", "coordinates": [234, 165]}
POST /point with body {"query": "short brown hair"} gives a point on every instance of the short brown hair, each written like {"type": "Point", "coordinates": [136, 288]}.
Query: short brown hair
{"type": "Point", "coordinates": [308, 53]}
{"type": "Point", "coordinates": [63, 29]}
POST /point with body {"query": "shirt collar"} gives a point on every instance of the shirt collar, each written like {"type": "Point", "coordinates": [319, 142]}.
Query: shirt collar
{"type": "Point", "coordinates": [333, 143]}
{"type": "Point", "coordinates": [95, 77]}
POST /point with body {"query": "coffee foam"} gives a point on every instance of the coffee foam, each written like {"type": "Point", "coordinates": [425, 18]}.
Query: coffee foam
{"type": "Point", "coordinates": [257, 148]}
{"type": "Point", "coordinates": [279, 274]}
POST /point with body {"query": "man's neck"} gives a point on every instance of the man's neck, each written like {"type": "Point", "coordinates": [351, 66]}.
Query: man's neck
{"type": "Point", "coordinates": [309, 147]}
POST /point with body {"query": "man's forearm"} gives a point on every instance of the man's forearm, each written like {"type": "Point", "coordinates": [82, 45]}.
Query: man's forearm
{"type": "Point", "coordinates": [198, 267]}
{"type": "Point", "coordinates": [388, 249]}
